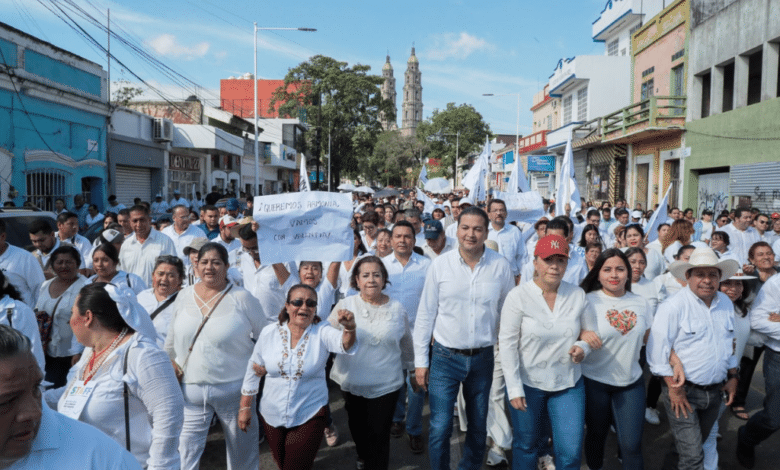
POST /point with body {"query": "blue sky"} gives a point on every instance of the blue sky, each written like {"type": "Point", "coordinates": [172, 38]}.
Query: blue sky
{"type": "Point", "coordinates": [465, 48]}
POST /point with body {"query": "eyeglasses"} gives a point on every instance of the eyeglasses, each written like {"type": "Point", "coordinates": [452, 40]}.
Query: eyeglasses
{"type": "Point", "coordinates": [167, 259]}
{"type": "Point", "coordinates": [299, 303]}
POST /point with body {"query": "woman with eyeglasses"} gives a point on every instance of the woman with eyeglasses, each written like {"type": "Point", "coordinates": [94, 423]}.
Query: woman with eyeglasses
{"type": "Point", "coordinates": [372, 378]}
{"type": "Point", "coordinates": [105, 259]}
{"type": "Point", "coordinates": [167, 277]}
{"type": "Point", "coordinates": [292, 354]}
{"type": "Point", "coordinates": [210, 338]}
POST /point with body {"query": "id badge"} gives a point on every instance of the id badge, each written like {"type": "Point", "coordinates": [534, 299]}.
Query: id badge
{"type": "Point", "coordinates": [76, 398]}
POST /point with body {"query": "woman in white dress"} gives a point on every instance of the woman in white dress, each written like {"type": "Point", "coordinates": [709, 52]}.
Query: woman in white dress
{"type": "Point", "coordinates": [158, 300]}
{"type": "Point", "coordinates": [124, 383]}
{"type": "Point", "coordinates": [105, 259]}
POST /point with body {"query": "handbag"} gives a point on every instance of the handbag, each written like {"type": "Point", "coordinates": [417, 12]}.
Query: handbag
{"type": "Point", "coordinates": [45, 323]}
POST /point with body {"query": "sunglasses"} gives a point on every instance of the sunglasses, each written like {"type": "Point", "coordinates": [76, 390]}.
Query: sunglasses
{"type": "Point", "coordinates": [299, 303]}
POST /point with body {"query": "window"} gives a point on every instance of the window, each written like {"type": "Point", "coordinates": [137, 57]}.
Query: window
{"type": "Point", "coordinates": [612, 47]}
{"type": "Point", "coordinates": [582, 104]}
{"type": "Point", "coordinates": [45, 186]}
{"type": "Point", "coordinates": [728, 87]}
{"type": "Point", "coordinates": [647, 89]}
{"type": "Point", "coordinates": [623, 51]}
{"type": "Point", "coordinates": [754, 77]}
{"type": "Point", "coordinates": [567, 110]}
{"type": "Point", "coordinates": [706, 91]}
{"type": "Point", "coordinates": [549, 122]}
{"type": "Point", "coordinates": [678, 87]}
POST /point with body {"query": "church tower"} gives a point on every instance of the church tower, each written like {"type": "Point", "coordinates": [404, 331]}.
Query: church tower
{"type": "Point", "coordinates": [388, 93]}
{"type": "Point", "coordinates": [413, 106]}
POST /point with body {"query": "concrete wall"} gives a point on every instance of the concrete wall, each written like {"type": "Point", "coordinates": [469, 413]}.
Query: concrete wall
{"type": "Point", "coordinates": [181, 112]}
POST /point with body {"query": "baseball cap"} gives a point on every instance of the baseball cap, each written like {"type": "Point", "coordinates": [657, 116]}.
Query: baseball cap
{"type": "Point", "coordinates": [176, 191]}
{"type": "Point", "coordinates": [466, 200]}
{"type": "Point", "coordinates": [636, 215]}
{"type": "Point", "coordinates": [776, 215]}
{"type": "Point", "coordinates": [433, 229]}
{"type": "Point", "coordinates": [232, 204]}
{"type": "Point", "coordinates": [195, 244]}
{"type": "Point", "coordinates": [551, 245]}
{"type": "Point", "coordinates": [227, 221]}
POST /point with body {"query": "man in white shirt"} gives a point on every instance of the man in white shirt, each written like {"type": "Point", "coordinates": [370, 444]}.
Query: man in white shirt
{"type": "Point", "coordinates": [197, 202]}
{"type": "Point", "coordinates": [68, 232]}
{"type": "Point", "coordinates": [741, 235]}
{"type": "Point", "coordinates": [159, 206]}
{"type": "Point", "coordinates": [181, 232]}
{"type": "Point", "coordinates": [698, 324]}
{"type": "Point", "coordinates": [436, 242]}
{"type": "Point", "coordinates": [458, 206]}
{"type": "Point", "coordinates": [141, 249]}
{"type": "Point", "coordinates": [113, 205]}
{"type": "Point", "coordinates": [59, 206]}
{"type": "Point", "coordinates": [178, 200]}
{"type": "Point", "coordinates": [93, 215]}
{"type": "Point", "coordinates": [462, 298]}
{"type": "Point", "coordinates": [20, 268]}
{"type": "Point", "coordinates": [507, 236]}
{"type": "Point", "coordinates": [767, 421]}
{"type": "Point", "coordinates": [763, 226]}
{"type": "Point", "coordinates": [260, 280]}
{"type": "Point", "coordinates": [413, 217]}
{"type": "Point", "coordinates": [406, 275]}
{"type": "Point", "coordinates": [226, 237]}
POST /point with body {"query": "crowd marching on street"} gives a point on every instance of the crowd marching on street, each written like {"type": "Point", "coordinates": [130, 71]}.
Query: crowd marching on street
{"type": "Point", "coordinates": [537, 336]}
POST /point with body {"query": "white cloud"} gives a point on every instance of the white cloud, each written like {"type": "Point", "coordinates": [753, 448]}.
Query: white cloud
{"type": "Point", "coordinates": [167, 45]}
{"type": "Point", "coordinates": [458, 46]}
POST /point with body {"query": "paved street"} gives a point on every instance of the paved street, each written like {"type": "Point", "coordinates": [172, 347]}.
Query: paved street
{"type": "Point", "coordinates": [657, 441]}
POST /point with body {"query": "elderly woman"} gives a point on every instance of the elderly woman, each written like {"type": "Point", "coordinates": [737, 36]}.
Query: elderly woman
{"type": "Point", "coordinates": [210, 357]}
{"type": "Point", "coordinates": [124, 383]}
{"type": "Point", "coordinates": [540, 354]}
{"type": "Point", "coordinates": [614, 387]}
{"type": "Point", "coordinates": [592, 252]}
{"type": "Point", "coordinates": [16, 314]}
{"type": "Point", "coordinates": [105, 259]}
{"type": "Point", "coordinates": [372, 378]}
{"type": "Point", "coordinates": [53, 310]}
{"type": "Point", "coordinates": [635, 238]}
{"type": "Point", "coordinates": [292, 355]}
{"type": "Point", "coordinates": [158, 300]}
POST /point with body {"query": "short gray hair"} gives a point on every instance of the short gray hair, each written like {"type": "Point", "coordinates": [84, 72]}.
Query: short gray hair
{"type": "Point", "coordinates": [12, 342]}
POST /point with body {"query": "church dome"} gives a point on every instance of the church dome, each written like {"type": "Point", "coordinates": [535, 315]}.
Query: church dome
{"type": "Point", "coordinates": [412, 58]}
{"type": "Point", "coordinates": [387, 65]}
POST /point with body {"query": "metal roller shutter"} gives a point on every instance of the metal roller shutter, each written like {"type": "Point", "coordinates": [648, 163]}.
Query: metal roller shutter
{"type": "Point", "coordinates": [757, 185]}
{"type": "Point", "coordinates": [133, 182]}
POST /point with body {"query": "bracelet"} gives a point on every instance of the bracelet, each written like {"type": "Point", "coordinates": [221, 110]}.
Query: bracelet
{"type": "Point", "coordinates": [353, 329]}
{"type": "Point", "coordinates": [244, 408]}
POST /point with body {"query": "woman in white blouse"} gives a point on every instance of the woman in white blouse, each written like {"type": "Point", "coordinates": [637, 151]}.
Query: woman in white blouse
{"type": "Point", "coordinates": [372, 378]}
{"type": "Point", "coordinates": [540, 353]}
{"type": "Point", "coordinates": [635, 238]}
{"type": "Point", "coordinates": [53, 309]}
{"type": "Point", "coordinates": [210, 338]}
{"type": "Point", "coordinates": [105, 259]}
{"type": "Point", "coordinates": [614, 387]}
{"type": "Point", "coordinates": [158, 300]}
{"type": "Point", "coordinates": [292, 355]}
{"type": "Point", "coordinates": [122, 357]}
{"type": "Point", "coordinates": [16, 314]}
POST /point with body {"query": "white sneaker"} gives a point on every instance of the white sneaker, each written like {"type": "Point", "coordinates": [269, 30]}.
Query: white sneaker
{"type": "Point", "coordinates": [546, 463]}
{"type": "Point", "coordinates": [652, 416]}
{"type": "Point", "coordinates": [496, 457]}
{"type": "Point", "coordinates": [331, 435]}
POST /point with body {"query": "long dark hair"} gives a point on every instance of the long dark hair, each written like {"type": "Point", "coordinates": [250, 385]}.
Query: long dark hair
{"type": "Point", "coordinates": [591, 281]}
{"type": "Point", "coordinates": [284, 316]}
{"type": "Point", "coordinates": [586, 229]}
{"type": "Point", "coordinates": [8, 289]}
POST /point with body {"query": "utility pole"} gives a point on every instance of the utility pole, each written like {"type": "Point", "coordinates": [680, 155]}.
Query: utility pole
{"type": "Point", "coordinates": [329, 126]}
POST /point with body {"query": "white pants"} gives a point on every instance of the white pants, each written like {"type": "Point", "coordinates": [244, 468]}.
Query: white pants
{"type": "Point", "coordinates": [498, 427]}
{"type": "Point", "coordinates": [200, 404]}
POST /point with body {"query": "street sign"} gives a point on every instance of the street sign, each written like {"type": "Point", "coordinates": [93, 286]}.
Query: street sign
{"type": "Point", "coordinates": [541, 163]}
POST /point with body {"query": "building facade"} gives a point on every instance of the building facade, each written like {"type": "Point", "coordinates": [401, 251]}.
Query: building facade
{"type": "Point", "coordinates": [388, 93]}
{"type": "Point", "coordinates": [412, 105]}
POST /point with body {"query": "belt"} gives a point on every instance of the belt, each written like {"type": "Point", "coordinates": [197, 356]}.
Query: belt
{"type": "Point", "coordinates": [705, 388]}
{"type": "Point", "coordinates": [466, 352]}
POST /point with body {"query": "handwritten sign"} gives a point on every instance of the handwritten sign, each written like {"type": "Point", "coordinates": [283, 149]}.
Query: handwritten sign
{"type": "Point", "coordinates": [523, 207]}
{"type": "Point", "coordinates": [304, 226]}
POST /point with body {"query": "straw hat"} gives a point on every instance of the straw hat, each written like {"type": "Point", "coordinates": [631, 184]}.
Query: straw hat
{"type": "Point", "coordinates": [704, 257]}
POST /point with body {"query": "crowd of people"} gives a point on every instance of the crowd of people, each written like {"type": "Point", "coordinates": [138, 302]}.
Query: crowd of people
{"type": "Point", "coordinates": [540, 335]}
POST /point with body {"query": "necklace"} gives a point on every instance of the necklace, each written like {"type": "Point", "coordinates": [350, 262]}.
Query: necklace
{"type": "Point", "coordinates": [98, 358]}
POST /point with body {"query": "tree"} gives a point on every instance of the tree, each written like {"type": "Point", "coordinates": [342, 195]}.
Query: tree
{"type": "Point", "coordinates": [463, 119]}
{"type": "Point", "coordinates": [343, 101]}
{"type": "Point", "coordinates": [125, 93]}
{"type": "Point", "coordinates": [394, 154]}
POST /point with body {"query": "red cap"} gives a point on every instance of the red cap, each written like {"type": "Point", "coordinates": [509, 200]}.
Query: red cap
{"type": "Point", "coordinates": [551, 245]}
{"type": "Point", "coordinates": [775, 215]}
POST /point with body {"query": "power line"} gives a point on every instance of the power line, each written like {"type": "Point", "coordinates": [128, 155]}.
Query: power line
{"type": "Point", "coordinates": [734, 137]}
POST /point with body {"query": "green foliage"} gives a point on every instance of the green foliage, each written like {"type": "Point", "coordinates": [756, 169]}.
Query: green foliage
{"type": "Point", "coordinates": [345, 101]}
{"type": "Point", "coordinates": [394, 155]}
{"type": "Point", "coordinates": [464, 119]}
{"type": "Point", "coordinates": [125, 93]}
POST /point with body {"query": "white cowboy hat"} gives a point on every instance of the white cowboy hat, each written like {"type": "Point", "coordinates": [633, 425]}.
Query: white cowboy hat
{"type": "Point", "coordinates": [740, 276]}
{"type": "Point", "coordinates": [704, 257]}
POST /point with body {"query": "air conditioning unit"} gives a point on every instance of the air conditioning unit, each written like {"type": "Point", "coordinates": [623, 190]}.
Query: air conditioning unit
{"type": "Point", "coordinates": [162, 130]}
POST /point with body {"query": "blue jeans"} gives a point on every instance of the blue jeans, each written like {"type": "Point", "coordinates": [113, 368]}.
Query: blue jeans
{"type": "Point", "coordinates": [449, 370]}
{"type": "Point", "coordinates": [626, 406]}
{"type": "Point", "coordinates": [764, 423]}
{"type": "Point", "coordinates": [691, 432]}
{"type": "Point", "coordinates": [414, 414]}
{"type": "Point", "coordinates": [566, 411]}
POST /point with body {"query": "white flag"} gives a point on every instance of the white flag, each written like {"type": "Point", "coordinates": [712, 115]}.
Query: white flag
{"type": "Point", "coordinates": [303, 183]}
{"type": "Point", "coordinates": [475, 178]}
{"type": "Point", "coordinates": [517, 180]}
{"type": "Point", "coordinates": [659, 216]}
{"type": "Point", "coordinates": [567, 185]}
{"type": "Point", "coordinates": [429, 205]}
{"type": "Point", "coordinates": [423, 175]}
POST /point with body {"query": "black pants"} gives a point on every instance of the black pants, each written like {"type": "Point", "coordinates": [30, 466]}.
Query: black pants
{"type": "Point", "coordinates": [747, 367]}
{"type": "Point", "coordinates": [369, 423]}
{"type": "Point", "coordinates": [57, 370]}
{"type": "Point", "coordinates": [653, 385]}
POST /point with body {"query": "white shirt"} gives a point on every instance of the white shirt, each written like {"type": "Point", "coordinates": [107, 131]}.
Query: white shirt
{"type": "Point", "coordinates": [345, 289]}
{"type": "Point", "coordinates": [534, 341]}
{"type": "Point", "coordinates": [139, 258]}
{"type": "Point", "coordinates": [23, 319]}
{"type": "Point", "coordinates": [23, 271]}
{"type": "Point", "coordinates": [181, 240]}
{"type": "Point", "coordinates": [419, 239]}
{"type": "Point", "coordinates": [405, 283]}
{"type": "Point", "coordinates": [181, 201]}
{"type": "Point", "coordinates": [668, 283]}
{"type": "Point", "coordinates": [162, 320]}
{"type": "Point", "coordinates": [656, 264]}
{"type": "Point", "coordinates": [66, 444]}
{"type": "Point", "coordinates": [159, 207]}
{"type": "Point", "coordinates": [135, 283]}
{"type": "Point", "coordinates": [740, 241]}
{"type": "Point", "coordinates": [449, 245]}
{"type": "Point", "coordinates": [767, 301]}
{"type": "Point", "coordinates": [91, 220]}
{"type": "Point", "coordinates": [460, 307]}
{"type": "Point", "coordinates": [385, 348]}
{"type": "Point", "coordinates": [81, 243]}
{"type": "Point", "coordinates": [263, 284]}
{"type": "Point", "coordinates": [702, 337]}
{"type": "Point", "coordinates": [156, 405]}
{"type": "Point", "coordinates": [622, 323]}
{"type": "Point", "coordinates": [653, 293]}
{"type": "Point", "coordinates": [510, 245]}
{"type": "Point", "coordinates": [223, 347]}
{"type": "Point", "coordinates": [44, 258]}
{"type": "Point", "coordinates": [63, 343]}
{"type": "Point", "coordinates": [233, 245]}
{"type": "Point", "coordinates": [452, 230]}
{"type": "Point", "coordinates": [115, 209]}
{"type": "Point", "coordinates": [295, 388]}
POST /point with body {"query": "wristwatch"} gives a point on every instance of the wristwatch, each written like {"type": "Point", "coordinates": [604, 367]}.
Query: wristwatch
{"type": "Point", "coordinates": [732, 375]}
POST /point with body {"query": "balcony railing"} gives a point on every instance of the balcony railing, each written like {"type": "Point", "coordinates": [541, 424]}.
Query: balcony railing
{"type": "Point", "coordinates": [650, 114]}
